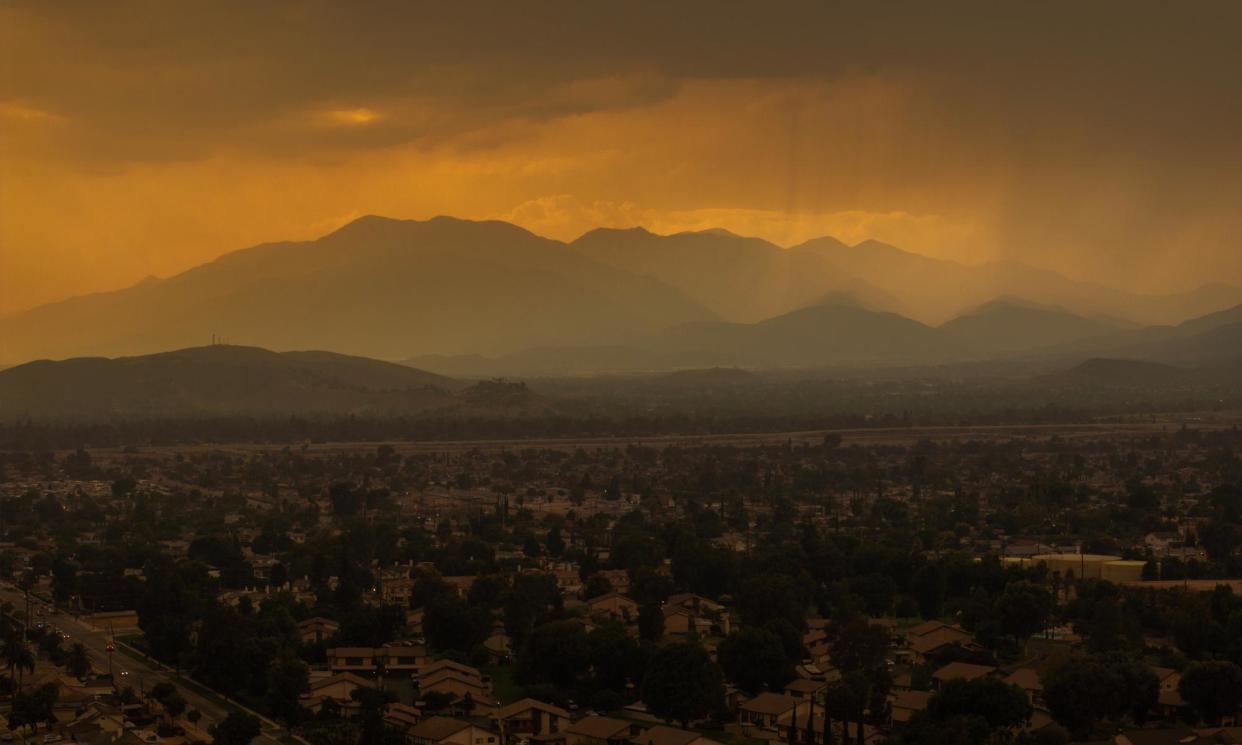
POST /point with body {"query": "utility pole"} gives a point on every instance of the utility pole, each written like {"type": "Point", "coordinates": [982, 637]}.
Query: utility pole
{"type": "Point", "coordinates": [110, 648]}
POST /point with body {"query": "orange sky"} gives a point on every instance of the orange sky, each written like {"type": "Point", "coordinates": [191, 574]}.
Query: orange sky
{"type": "Point", "coordinates": [143, 138]}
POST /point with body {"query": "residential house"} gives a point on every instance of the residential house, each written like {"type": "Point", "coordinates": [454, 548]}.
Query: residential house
{"type": "Point", "coordinates": [687, 612]}
{"type": "Point", "coordinates": [663, 735]}
{"type": "Point", "coordinates": [402, 658]}
{"type": "Point", "coordinates": [454, 682]}
{"type": "Point", "coordinates": [402, 716]}
{"type": "Point", "coordinates": [931, 638]}
{"type": "Point", "coordinates": [358, 660]}
{"type": "Point", "coordinates": [397, 589]}
{"type": "Point", "coordinates": [1029, 681]}
{"type": "Point", "coordinates": [596, 730]}
{"type": "Point", "coordinates": [618, 578]}
{"type": "Point", "coordinates": [960, 671]}
{"type": "Point", "coordinates": [905, 704]}
{"type": "Point", "coordinates": [338, 689]}
{"type": "Point", "coordinates": [1168, 699]}
{"type": "Point", "coordinates": [499, 648]}
{"type": "Point", "coordinates": [805, 688]}
{"type": "Point", "coordinates": [766, 710]}
{"type": "Point", "coordinates": [390, 658]}
{"type": "Point", "coordinates": [317, 629]}
{"type": "Point", "coordinates": [440, 665]}
{"type": "Point", "coordinates": [614, 606]}
{"type": "Point", "coordinates": [461, 584]}
{"type": "Point", "coordinates": [529, 718]}
{"type": "Point", "coordinates": [819, 650]}
{"type": "Point", "coordinates": [841, 731]}
{"type": "Point", "coordinates": [447, 731]}
{"type": "Point", "coordinates": [1180, 735]}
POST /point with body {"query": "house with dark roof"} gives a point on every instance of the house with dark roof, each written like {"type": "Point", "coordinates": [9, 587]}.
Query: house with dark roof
{"type": "Point", "coordinates": [613, 606]}
{"type": "Point", "coordinates": [529, 718]}
{"type": "Point", "coordinates": [1027, 678]}
{"type": "Point", "coordinates": [448, 731]}
{"type": "Point", "coordinates": [766, 710]}
{"type": "Point", "coordinates": [960, 671]}
{"type": "Point", "coordinates": [805, 688]}
{"type": "Point", "coordinates": [664, 735]}
{"type": "Point", "coordinates": [337, 688]}
{"type": "Point", "coordinates": [905, 704]}
{"type": "Point", "coordinates": [402, 716]}
{"type": "Point", "coordinates": [596, 730]}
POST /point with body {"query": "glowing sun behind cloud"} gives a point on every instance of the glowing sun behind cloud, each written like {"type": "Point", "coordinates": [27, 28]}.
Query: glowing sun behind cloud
{"type": "Point", "coordinates": [353, 116]}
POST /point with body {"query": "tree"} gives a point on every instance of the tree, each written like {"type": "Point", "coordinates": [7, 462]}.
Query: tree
{"type": "Point", "coordinates": [238, 728]}
{"type": "Point", "coordinates": [682, 684]}
{"type": "Point", "coordinates": [764, 598]}
{"type": "Point", "coordinates": [859, 652]}
{"type": "Point", "coordinates": [650, 622]}
{"type": "Point", "coordinates": [754, 659]}
{"type": "Point", "coordinates": [928, 588]}
{"type": "Point", "coordinates": [1110, 628]}
{"type": "Point", "coordinates": [45, 698]}
{"type": "Point", "coordinates": [346, 500]}
{"type": "Point", "coordinates": [554, 543]}
{"type": "Point", "coordinates": [993, 700]}
{"type": "Point", "coordinates": [224, 645]}
{"type": "Point", "coordinates": [556, 653]}
{"type": "Point", "coordinates": [531, 602]}
{"type": "Point", "coordinates": [1212, 688]}
{"type": "Point", "coordinates": [1082, 691]}
{"type": "Point", "coordinates": [860, 646]}
{"type": "Point", "coordinates": [1219, 539]}
{"type": "Point", "coordinates": [287, 680]}
{"type": "Point", "coordinates": [174, 706]}
{"type": "Point", "coordinates": [32, 708]}
{"type": "Point", "coordinates": [1023, 610]}
{"type": "Point", "coordinates": [171, 601]}
{"type": "Point", "coordinates": [615, 657]}
{"type": "Point", "coordinates": [161, 691]}
{"type": "Point", "coordinates": [78, 662]}
{"type": "Point", "coordinates": [278, 576]}
{"type": "Point", "coordinates": [596, 585]}
{"type": "Point", "coordinates": [451, 624]}
{"type": "Point", "coordinates": [17, 655]}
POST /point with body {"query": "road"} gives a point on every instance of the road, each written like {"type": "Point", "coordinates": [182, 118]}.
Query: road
{"type": "Point", "coordinates": [127, 671]}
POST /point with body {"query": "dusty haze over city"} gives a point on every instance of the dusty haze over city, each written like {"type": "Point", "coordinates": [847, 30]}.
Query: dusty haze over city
{"type": "Point", "coordinates": [564, 372]}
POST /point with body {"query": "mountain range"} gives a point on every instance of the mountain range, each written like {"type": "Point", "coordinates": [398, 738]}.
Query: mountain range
{"type": "Point", "coordinates": [476, 297]}
{"type": "Point", "coordinates": [838, 335]}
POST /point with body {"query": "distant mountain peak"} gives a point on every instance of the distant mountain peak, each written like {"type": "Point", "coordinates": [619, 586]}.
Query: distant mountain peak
{"type": "Point", "coordinates": [722, 232]}
{"type": "Point", "coordinates": [1015, 302]}
{"type": "Point", "coordinates": [596, 233]}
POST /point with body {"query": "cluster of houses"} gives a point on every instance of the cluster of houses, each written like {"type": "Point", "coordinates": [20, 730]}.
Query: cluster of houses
{"type": "Point", "coordinates": [88, 712]}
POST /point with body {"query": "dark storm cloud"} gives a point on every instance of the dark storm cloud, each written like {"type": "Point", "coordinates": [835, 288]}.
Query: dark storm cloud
{"type": "Point", "coordinates": [173, 79]}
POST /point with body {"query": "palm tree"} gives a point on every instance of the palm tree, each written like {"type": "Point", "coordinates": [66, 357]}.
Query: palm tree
{"type": "Point", "coordinates": [17, 654]}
